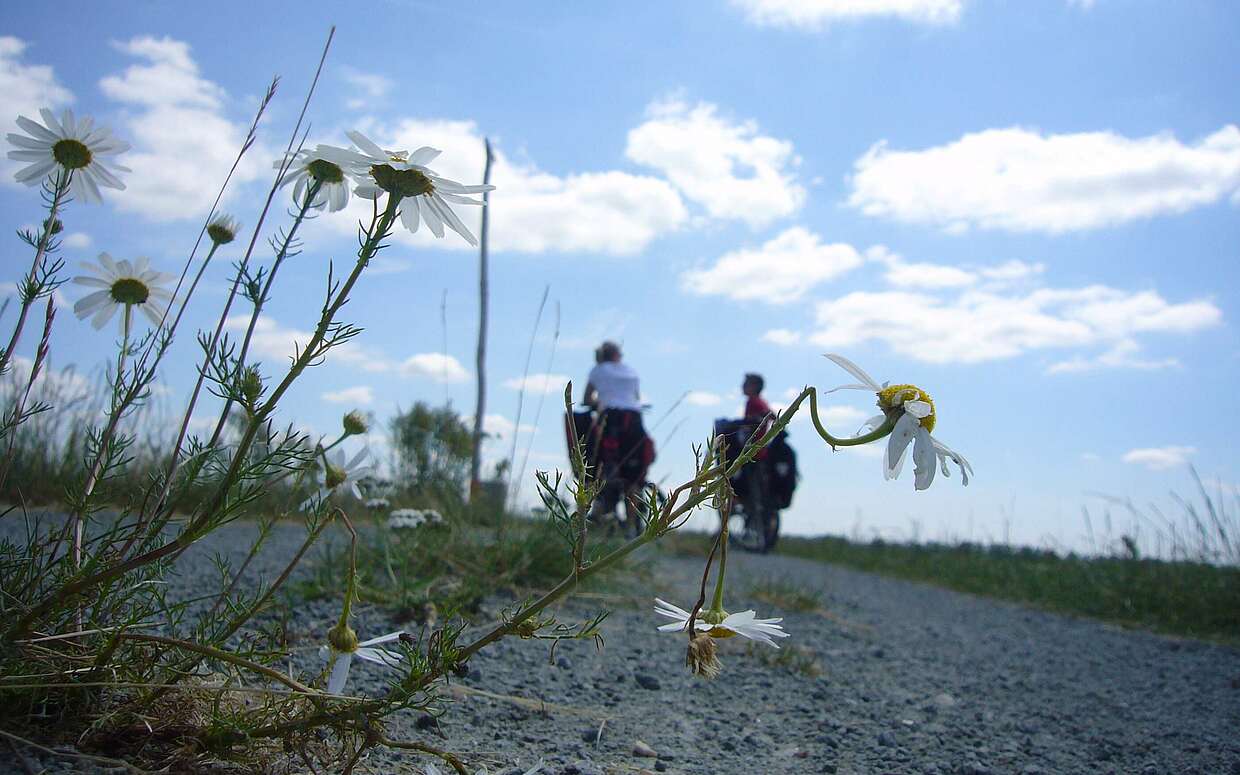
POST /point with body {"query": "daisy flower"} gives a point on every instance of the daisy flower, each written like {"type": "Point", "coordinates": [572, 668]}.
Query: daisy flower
{"type": "Point", "coordinates": [335, 473]}
{"type": "Point", "coordinates": [425, 196]}
{"type": "Point", "coordinates": [122, 284]}
{"type": "Point", "coordinates": [310, 167]}
{"type": "Point", "coordinates": [344, 646]}
{"type": "Point", "coordinates": [222, 229]}
{"type": "Point", "coordinates": [405, 518]}
{"type": "Point", "coordinates": [912, 409]}
{"type": "Point", "coordinates": [75, 147]}
{"type": "Point", "coordinates": [746, 623]}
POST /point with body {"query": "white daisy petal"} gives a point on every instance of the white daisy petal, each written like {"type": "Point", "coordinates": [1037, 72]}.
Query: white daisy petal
{"type": "Point", "coordinates": [853, 369]}
{"type": "Point", "coordinates": [897, 445]}
{"type": "Point", "coordinates": [38, 131]}
{"type": "Point", "coordinates": [364, 143]}
{"type": "Point", "coordinates": [35, 172]}
{"type": "Point", "coordinates": [340, 673]}
{"type": "Point", "coordinates": [379, 656]}
{"type": "Point", "coordinates": [90, 303]}
{"type": "Point", "coordinates": [918, 409]}
{"type": "Point", "coordinates": [925, 462]}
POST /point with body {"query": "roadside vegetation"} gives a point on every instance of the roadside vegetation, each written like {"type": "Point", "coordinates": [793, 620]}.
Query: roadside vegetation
{"type": "Point", "coordinates": [1191, 587]}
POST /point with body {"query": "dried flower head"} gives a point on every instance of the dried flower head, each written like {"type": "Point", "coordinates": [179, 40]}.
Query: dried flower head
{"type": "Point", "coordinates": [700, 656]}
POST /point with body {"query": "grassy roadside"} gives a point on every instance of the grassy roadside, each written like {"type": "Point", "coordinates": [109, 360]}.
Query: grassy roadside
{"type": "Point", "coordinates": [1192, 599]}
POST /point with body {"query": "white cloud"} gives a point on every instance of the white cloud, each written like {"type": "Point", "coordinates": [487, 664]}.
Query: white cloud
{"type": "Point", "coordinates": [1124, 355]}
{"type": "Point", "coordinates": [782, 337]}
{"type": "Point", "coordinates": [728, 168]}
{"type": "Point", "coordinates": [1159, 458]}
{"type": "Point", "coordinates": [778, 272]}
{"type": "Point", "coordinates": [78, 240]}
{"type": "Point", "coordinates": [703, 398]}
{"type": "Point", "coordinates": [435, 366]}
{"type": "Point", "coordinates": [361, 394]}
{"type": "Point", "coordinates": [500, 428]}
{"type": "Point", "coordinates": [534, 383]}
{"type": "Point", "coordinates": [919, 275]}
{"type": "Point", "coordinates": [979, 326]}
{"type": "Point", "coordinates": [1012, 271]}
{"type": "Point", "coordinates": [532, 211]}
{"type": "Point", "coordinates": [183, 144]}
{"type": "Point", "coordinates": [848, 417]}
{"type": "Point", "coordinates": [931, 276]}
{"type": "Point", "coordinates": [368, 88]}
{"type": "Point", "coordinates": [815, 14]}
{"type": "Point", "coordinates": [24, 88]}
{"type": "Point", "coordinates": [1022, 180]}
{"type": "Point", "coordinates": [281, 343]}
{"type": "Point", "coordinates": [59, 387]}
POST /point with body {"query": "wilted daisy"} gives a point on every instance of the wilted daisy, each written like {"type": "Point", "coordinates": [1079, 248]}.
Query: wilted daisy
{"type": "Point", "coordinates": [75, 147]}
{"type": "Point", "coordinates": [912, 411]}
{"type": "Point", "coordinates": [343, 646]}
{"type": "Point", "coordinates": [122, 284]}
{"type": "Point", "coordinates": [425, 196]}
{"type": "Point", "coordinates": [310, 167]}
{"type": "Point", "coordinates": [725, 625]}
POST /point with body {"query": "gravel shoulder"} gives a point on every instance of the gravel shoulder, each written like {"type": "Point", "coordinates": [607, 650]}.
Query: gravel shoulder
{"type": "Point", "coordinates": [910, 679]}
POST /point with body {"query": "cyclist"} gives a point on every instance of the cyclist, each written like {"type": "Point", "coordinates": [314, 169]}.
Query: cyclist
{"type": "Point", "coordinates": [624, 451]}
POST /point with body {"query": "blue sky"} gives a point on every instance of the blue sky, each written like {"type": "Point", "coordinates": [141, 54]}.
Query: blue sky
{"type": "Point", "coordinates": [1028, 209]}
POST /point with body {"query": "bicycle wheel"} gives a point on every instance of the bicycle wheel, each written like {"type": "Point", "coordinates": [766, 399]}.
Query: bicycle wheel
{"type": "Point", "coordinates": [772, 530]}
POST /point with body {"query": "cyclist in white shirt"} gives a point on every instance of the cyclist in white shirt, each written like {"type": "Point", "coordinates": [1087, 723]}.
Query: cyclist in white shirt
{"type": "Point", "coordinates": [612, 384]}
{"type": "Point", "coordinates": [623, 450]}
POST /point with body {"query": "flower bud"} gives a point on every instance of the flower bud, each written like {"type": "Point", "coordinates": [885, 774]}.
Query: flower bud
{"type": "Point", "coordinates": [251, 386]}
{"type": "Point", "coordinates": [342, 638]}
{"type": "Point", "coordinates": [355, 423]}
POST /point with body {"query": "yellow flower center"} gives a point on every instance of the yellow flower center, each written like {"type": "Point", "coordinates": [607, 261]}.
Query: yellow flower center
{"type": "Point", "coordinates": [129, 290]}
{"type": "Point", "coordinates": [220, 234]}
{"type": "Point", "coordinates": [713, 617]}
{"type": "Point", "coordinates": [71, 154]}
{"type": "Point", "coordinates": [325, 171]}
{"type": "Point", "coordinates": [893, 397]}
{"type": "Point", "coordinates": [401, 182]}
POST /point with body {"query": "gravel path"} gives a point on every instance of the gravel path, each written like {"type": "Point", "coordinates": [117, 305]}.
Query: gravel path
{"type": "Point", "coordinates": [910, 679]}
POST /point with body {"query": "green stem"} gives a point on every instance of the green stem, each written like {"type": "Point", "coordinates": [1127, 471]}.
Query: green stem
{"type": "Point", "coordinates": [222, 656]}
{"type": "Point", "coordinates": [200, 522]}
{"type": "Point", "coordinates": [883, 430]}
{"type": "Point", "coordinates": [716, 603]}
{"type": "Point", "coordinates": [63, 179]}
{"type": "Point", "coordinates": [261, 300]}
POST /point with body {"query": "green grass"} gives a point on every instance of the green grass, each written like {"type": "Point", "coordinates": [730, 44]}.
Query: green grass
{"type": "Point", "coordinates": [450, 569]}
{"type": "Point", "coordinates": [1195, 599]}
{"type": "Point", "coordinates": [785, 593]}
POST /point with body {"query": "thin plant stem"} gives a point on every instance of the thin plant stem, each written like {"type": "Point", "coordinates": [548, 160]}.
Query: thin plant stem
{"type": "Point", "coordinates": [262, 298]}
{"type": "Point", "coordinates": [475, 460]}
{"type": "Point", "coordinates": [60, 188]}
{"type": "Point", "coordinates": [204, 515]}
